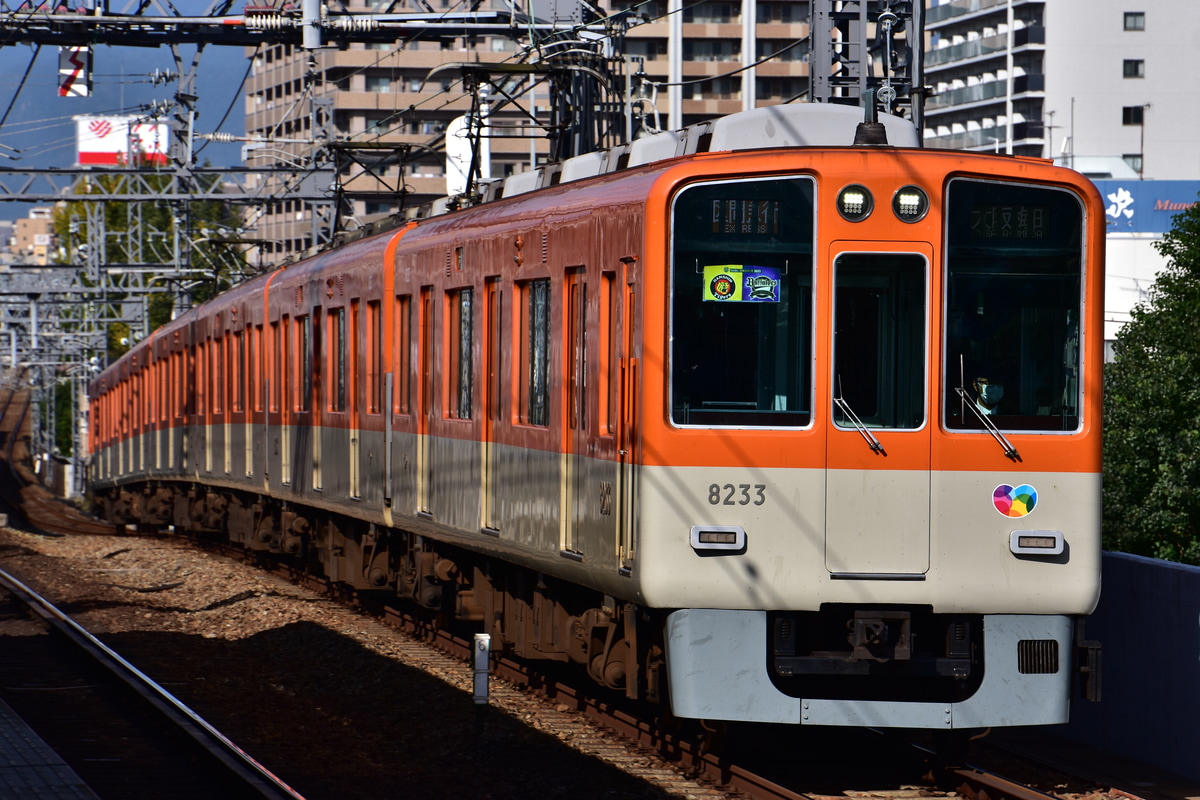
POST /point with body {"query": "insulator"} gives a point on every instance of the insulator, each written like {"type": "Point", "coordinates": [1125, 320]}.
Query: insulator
{"type": "Point", "coordinates": [219, 136]}
{"type": "Point", "coordinates": [351, 24]}
{"type": "Point", "coordinates": [272, 22]}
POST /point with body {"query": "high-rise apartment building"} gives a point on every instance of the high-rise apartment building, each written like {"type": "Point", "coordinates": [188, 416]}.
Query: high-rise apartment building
{"type": "Point", "coordinates": [1099, 84]}
{"type": "Point", "coordinates": [687, 62]}
{"type": "Point", "coordinates": [1102, 86]}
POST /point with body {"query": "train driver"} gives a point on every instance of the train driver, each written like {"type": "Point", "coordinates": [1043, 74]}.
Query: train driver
{"type": "Point", "coordinates": [987, 395]}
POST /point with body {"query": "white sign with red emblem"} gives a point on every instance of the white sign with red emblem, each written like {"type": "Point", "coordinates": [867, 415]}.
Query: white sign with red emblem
{"type": "Point", "coordinates": [120, 141]}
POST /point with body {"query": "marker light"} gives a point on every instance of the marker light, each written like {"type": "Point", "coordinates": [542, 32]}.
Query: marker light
{"type": "Point", "coordinates": [1036, 543]}
{"type": "Point", "coordinates": [855, 203]}
{"type": "Point", "coordinates": [910, 204]}
{"type": "Point", "coordinates": [718, 537]}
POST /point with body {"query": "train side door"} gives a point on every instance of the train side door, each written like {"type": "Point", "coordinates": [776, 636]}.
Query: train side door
{"type": "Point", "coordinates": [577, 462]}
{"type": "Point", "coordinates": [350, 373]}
{"type": "Point", "coordinates": [158, 372]}
{"type": "Point", "coordinates": [210, 388]}
{"type": "Point", "coordinates": [425, 408]}
{"type": "Point", "coordinates": [878, 481]}
{"type": "Point", "coordinates": [287, 375]}
{"type": "Point", "coordinates": [227, 374]}
{"type": "Point", "coordinates": [493, 327]}
{"type": "Point", "coordinates": [191, 393]}
{"type": "Point", "coordinates": [626, 417]}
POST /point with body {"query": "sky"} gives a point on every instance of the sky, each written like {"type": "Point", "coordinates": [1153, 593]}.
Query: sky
{"type": "Point", "coordinates": [39, 124]}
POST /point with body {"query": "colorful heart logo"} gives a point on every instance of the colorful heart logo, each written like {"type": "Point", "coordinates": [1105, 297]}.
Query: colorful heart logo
{"type": "Point", "coordinates": [100, 127]}
{"type": "Point", "coordinates": [1014, 502]}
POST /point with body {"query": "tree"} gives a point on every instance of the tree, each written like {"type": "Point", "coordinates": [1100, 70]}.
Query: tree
{"type": "Point", "coordinates": [1152, 412]}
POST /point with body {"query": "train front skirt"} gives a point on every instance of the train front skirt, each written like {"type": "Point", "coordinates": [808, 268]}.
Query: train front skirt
{"type": "Point", "coordinates": [717, 667]}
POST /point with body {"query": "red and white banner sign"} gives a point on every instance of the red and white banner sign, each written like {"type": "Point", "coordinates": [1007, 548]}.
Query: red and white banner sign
{"type": "Point", "coordinates": [120, 141]}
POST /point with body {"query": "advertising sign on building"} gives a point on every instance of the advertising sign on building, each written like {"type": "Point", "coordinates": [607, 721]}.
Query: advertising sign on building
{"type": "Point", "coordinates": [1146, 206]}
{"type": "Point", "coordinates": [119, 141]}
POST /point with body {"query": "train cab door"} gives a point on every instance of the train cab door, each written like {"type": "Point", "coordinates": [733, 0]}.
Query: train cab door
{"type": "Point", "coordinates": [577, 462]}
{"type": "Point", "coordinates": [878, 444]}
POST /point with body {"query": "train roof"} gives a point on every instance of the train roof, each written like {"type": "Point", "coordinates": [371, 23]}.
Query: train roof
{"type": "Point", "coordinates": [794, 125]}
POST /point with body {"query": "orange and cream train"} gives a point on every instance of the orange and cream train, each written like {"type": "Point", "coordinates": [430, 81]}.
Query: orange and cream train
{"type": "Point", "coordinates": [743, 418]}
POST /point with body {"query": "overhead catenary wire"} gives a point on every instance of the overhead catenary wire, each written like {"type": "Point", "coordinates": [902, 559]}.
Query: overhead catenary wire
{"type": "Point", "coordinates": [237, 94]}
{"type": "Point", "coordinates": [20, 85]}
{"type": "Point", "coordinates": [551, 48]}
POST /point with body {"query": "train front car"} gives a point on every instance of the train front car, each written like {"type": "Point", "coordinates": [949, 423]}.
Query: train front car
{"type": "Point", "coordinates": [873, 495]}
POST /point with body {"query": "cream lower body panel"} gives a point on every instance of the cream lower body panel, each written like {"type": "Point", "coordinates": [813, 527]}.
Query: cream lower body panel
{"type": "Point", "coordinates": [801, 553]}
{"type": "Point", "coordinates": [717, 669]}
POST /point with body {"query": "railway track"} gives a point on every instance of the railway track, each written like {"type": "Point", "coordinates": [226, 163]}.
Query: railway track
{"type": "Point", "coordinates": [696, 754]}
{"type": "Point", "coordinates": [125, 735]}
{"type": "Point", "coordinates": [20, 492]}
{"type": "Point", "coordinates": [664, 753]}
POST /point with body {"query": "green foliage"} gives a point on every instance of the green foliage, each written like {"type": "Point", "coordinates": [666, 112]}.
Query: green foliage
{"type": "Point", "coordinates": [1152, 412]}
{"type": "Point", "coordinates": [64, 417]}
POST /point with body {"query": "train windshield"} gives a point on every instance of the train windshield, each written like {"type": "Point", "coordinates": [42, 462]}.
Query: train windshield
{"type": "Point", "coordinates": [879, 340]}
{"type": "Point", "coordinates": [1014, 276]}
{"type": "Point", "coordinates": [741, 308]}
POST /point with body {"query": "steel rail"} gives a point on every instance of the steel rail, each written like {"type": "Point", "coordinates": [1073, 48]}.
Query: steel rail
{"type": "Point", "coordinates": [235, 759]}
{"type": "Point", "coordinates": [979, 784]}
{"type": "Point", "coordinates": [969, 781]}
{"type": "Point", "coordinates": [622, 723]}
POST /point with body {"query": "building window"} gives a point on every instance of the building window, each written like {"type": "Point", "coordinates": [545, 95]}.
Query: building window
{"type": "Point", "coordinates": [1135, 20]}
{"type": "Point", "coordinates": [711, 50]}
{"type": "Point", "coordinates": [785, 88]}
{"type": "Point", "coordinates": [782, 49]}
{"type": "Point", "coordinates": [710, 13]}
{"type": "Point", "coordinates": [1134, 68]}
{"type": "Point", "coordinates": [1134, 160]}
{"type": "Point", "coordinates": [1132, 115]}
{"type": "Point", "coordinates": [379, 83]}
{"type": "Point", "coordinates": [645, 48]}
{"type": "Point", "coordinates": [717, 88]}
{"type": "Point", "coordinates": [377, 124]}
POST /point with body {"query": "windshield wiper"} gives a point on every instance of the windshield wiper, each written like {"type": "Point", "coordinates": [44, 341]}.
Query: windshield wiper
{"type": "Point", "coordinates": [1009, 450]}
{"type": "Point", "coordinates": [857, 423]}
